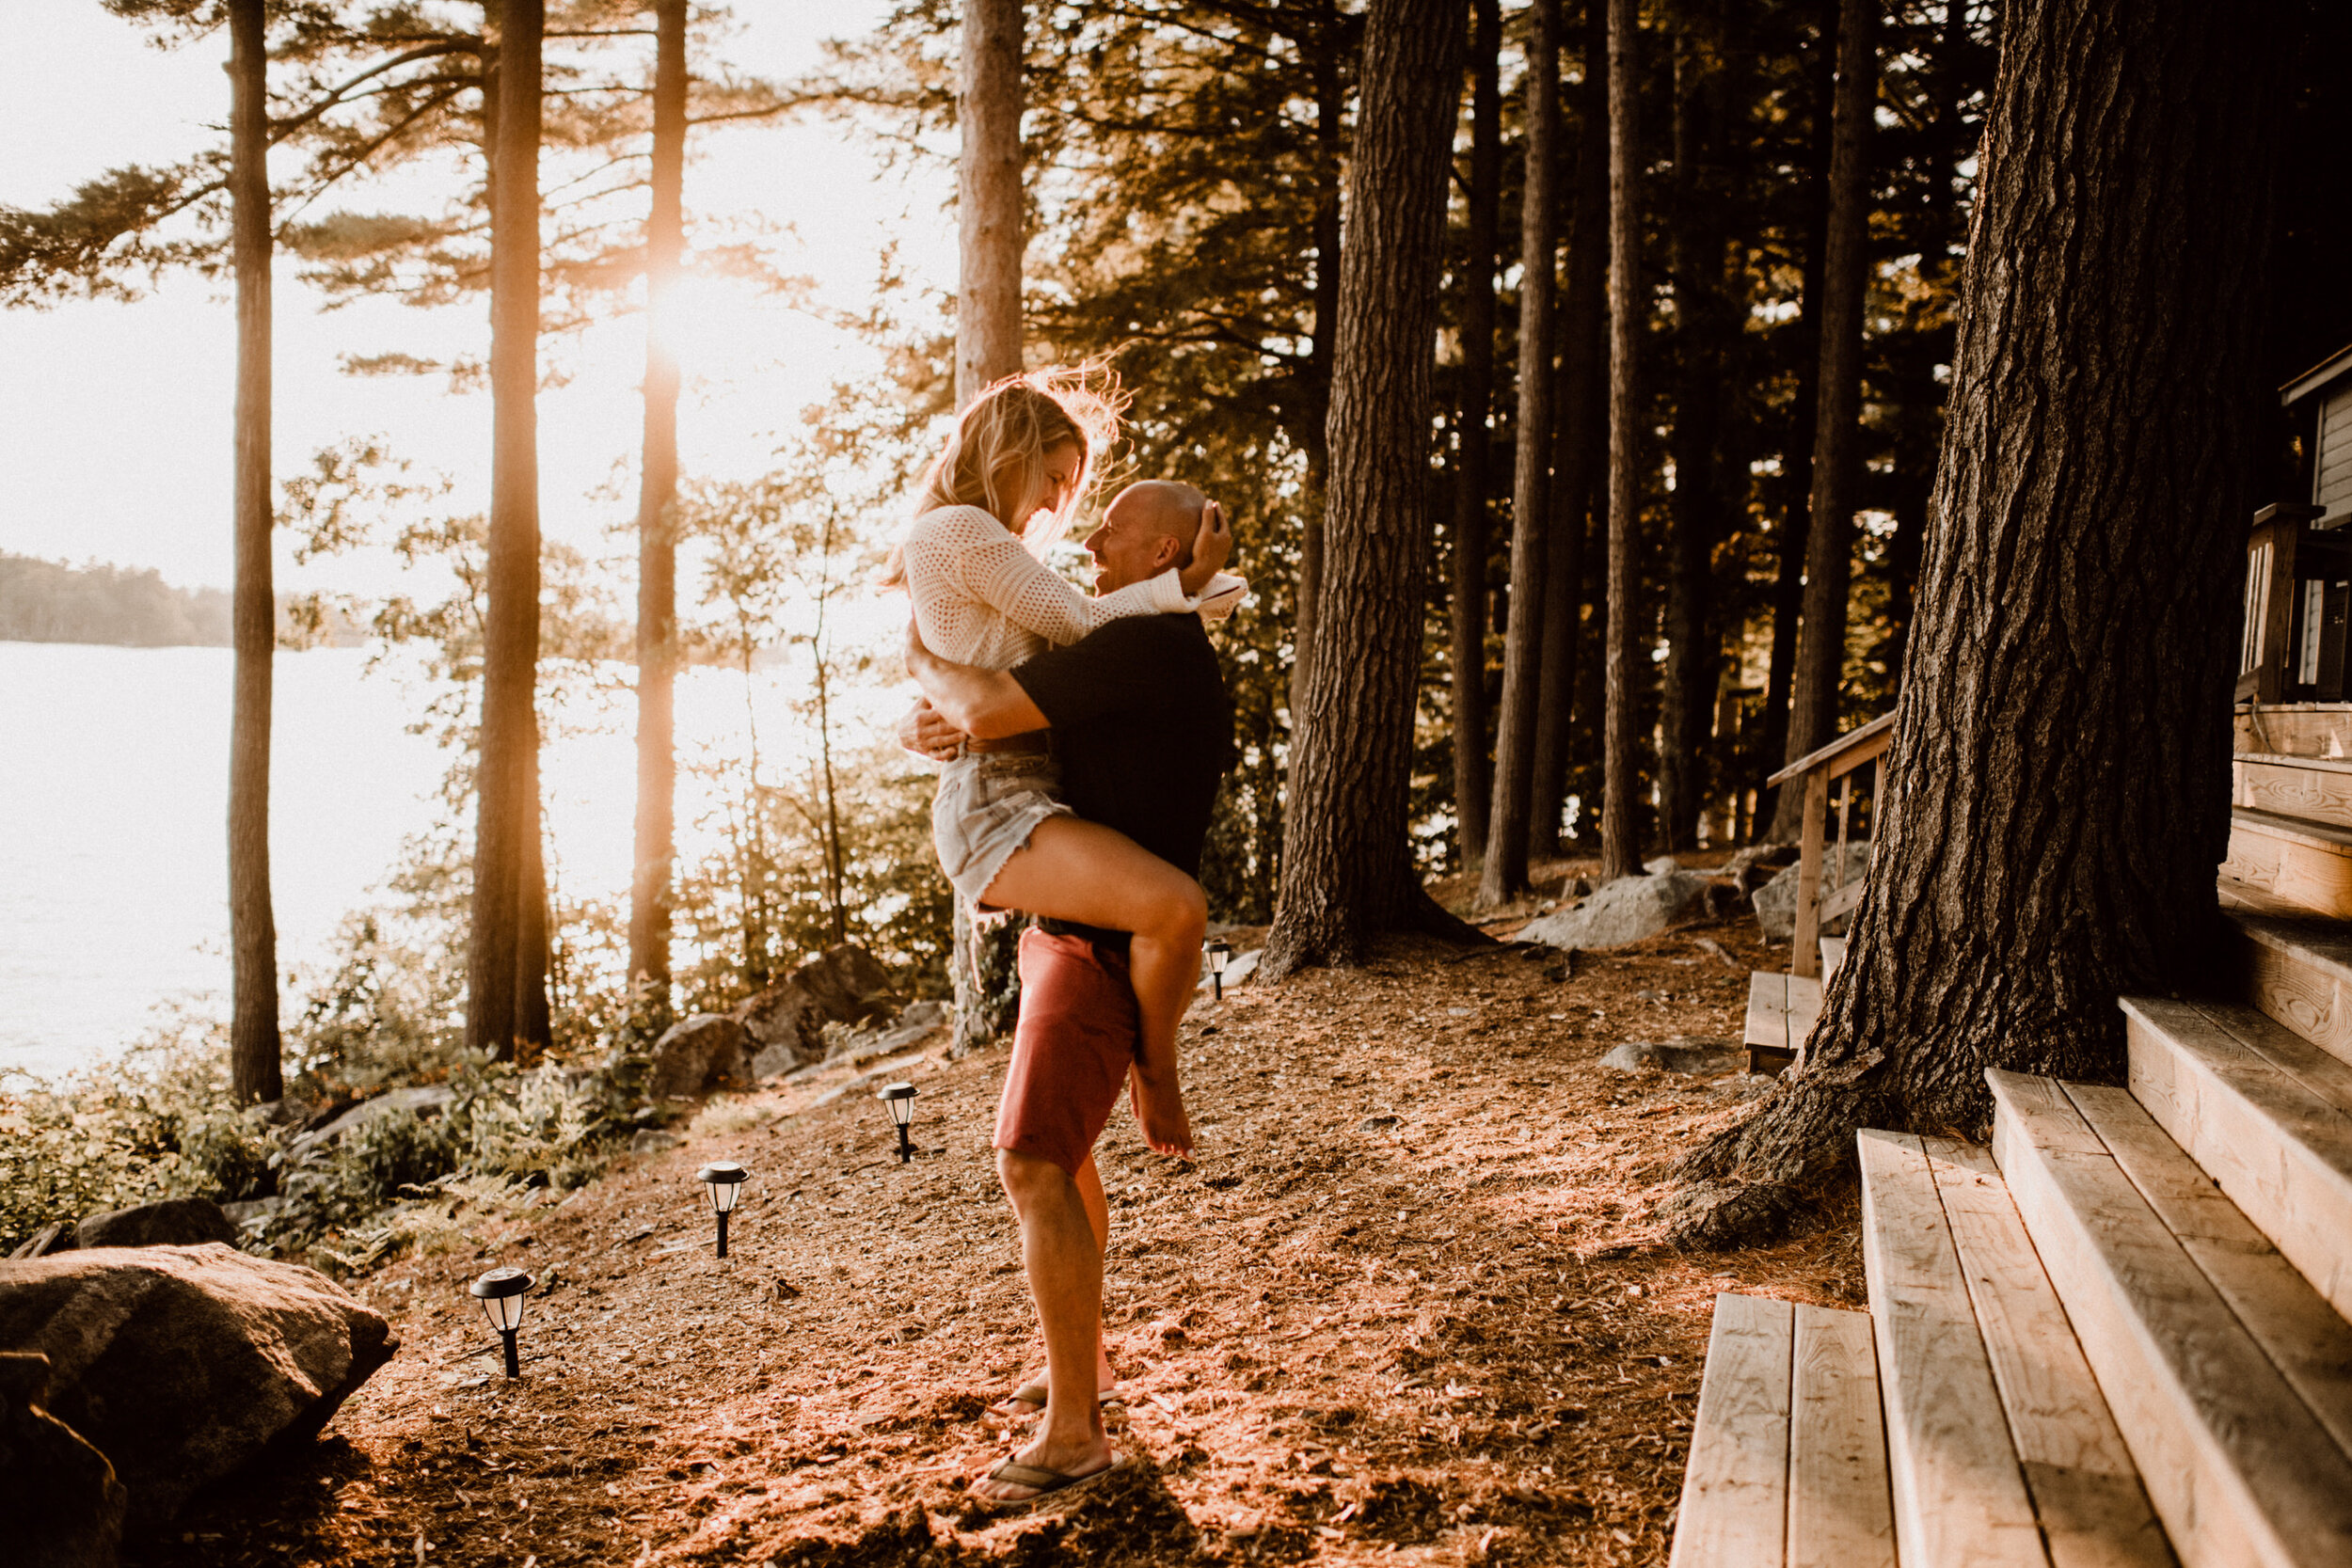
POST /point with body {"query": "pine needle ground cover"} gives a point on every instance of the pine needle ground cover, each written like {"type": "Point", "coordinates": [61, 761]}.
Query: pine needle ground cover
{"type": "Point", "coordinates": [1406, 1306]}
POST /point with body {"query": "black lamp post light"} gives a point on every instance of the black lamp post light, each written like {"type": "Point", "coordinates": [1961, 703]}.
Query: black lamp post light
{"type": "Point", "coordinates": [501, 1292]}
{"type": "Point", "coordinates": [898, 1099]}
{"type": "Point", "coordinates": [1220, 954]}
{"type": "Point", "coordinates": [725, 1179]}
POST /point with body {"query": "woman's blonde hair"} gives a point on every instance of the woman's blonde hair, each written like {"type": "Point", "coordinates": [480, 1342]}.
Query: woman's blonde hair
{"type": "Point", "coordinates": [994, 458]}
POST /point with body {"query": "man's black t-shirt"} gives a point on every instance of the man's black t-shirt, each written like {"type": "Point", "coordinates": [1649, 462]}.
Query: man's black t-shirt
{"type": "Point", "coordinates": [1144, 731]}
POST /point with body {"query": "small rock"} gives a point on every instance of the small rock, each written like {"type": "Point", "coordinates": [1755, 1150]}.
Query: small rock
{"type": "Point", "coordinates": [1375, 1124]}
{"type": "Point", "coordinates": [1626, 911]}
{"type": "Point", "coordinates": [1673, 1056]}
{"type": "Point", "coordinates": [1649, 996]}
{"type": "Point", "coordinates": [181, 1364]}
{"type": "Point", "coordinates": [59, 1496]}
{"type": "Point", "coordinates": [651, 1140]}
{"type": "Point", "coordinates": [697, 1055]}
{"type": "Point", "coordinates": [245, 1211]}
{"type": "Point", "coordinates": [1775, 902]}
{"type": "Point", "coordinates": [174, 1222]}
{"type": "Point", "coordinates": [1661, 866]}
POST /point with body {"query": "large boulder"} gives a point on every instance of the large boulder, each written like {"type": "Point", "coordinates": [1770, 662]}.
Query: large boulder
{"type": "Point", "coordinates": [786, 1023]}
{"type": "Point", "coordinates": [181, 1364]}
{"type": "Point", "coordinates": [58, 1495]}
{"type": "Point", "coordinates": [174, 1222]}
{"type": "Point", "coordinates": [697, 1055]}
{"type": "Point", "coordinates": [1776, 900]}
{"type": "Point", "coordinates": [1625, 910]}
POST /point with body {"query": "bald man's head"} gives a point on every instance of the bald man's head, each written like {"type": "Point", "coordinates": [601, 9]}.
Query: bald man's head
{"type": "Point", "coordinates": [1148, 527]}
{"type": "Point", "coordinates": [1169, 508]}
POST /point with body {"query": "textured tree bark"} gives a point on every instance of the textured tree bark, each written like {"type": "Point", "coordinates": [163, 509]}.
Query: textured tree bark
{"type": "Point", "coordinates": [988, 349]}
{"type": "Point", "coordinates": [255, 1070]}
{"type": "Point", "coordinates": [1707, 322]}
{"type": "Point", "coordinates": [1581, 449]}
{"type": "Point", "coordinates": [1472, 477]}
{"type": "Point", "coordinates": [657, 529]}
{"type": "Point", "coordinates": [2060, 779]}
{"type": "Point", "coordinates": [1629, 310]}
{"type": "Point", "coordinates": [510, 634]}
{"type": "Point", "coordinates": [1836, 444]}
{"type": "Point", "coordinates": [535, 926]}
{"type": "Point", "coordinates": [1347, 868]}
{"type": "Point", "coordinates": [1796, 480]}
{"type": "Point", "coordinates": [1502, 872]}
{"type": "Point", "coordinates": [988, 198]}
{"type": "Point", "coordinates": [1330, 111]}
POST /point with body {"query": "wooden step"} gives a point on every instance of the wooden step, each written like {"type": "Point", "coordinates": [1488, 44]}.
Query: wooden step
{"type": "Point", "coordinates": [1782, 1010]}
{"type": "Point", "coordinates": [2295, 967]}
{"type": "Point", "coordinates": [2318, 789]}
{"type": "Point", "coordinates": [2307, 865]}
{"type": "Point", "coordinates": [2000, 1448]}
{"type": "Point", "coordinates": [2294, 729]}
{"type": "Point", "coordinates": [2266, 1114]}
{"type": "Point", "coordinates": [2239, 1468]}
{"type": "Point", "coordinates": [1833, 957]}
{"type": "Point", "coordinates": [1787, 1457]}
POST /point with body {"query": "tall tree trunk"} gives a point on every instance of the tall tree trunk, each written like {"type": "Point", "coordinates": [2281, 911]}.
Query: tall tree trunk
{"type": "Point", "coordinates": [1796, 458]}
{"type": "Point", "coordinates": [1348, 866]}
{"type": "Point", "coordinates": [1581, 443]}
{"type": "Point", "coordinates": [988, 348]}
{"type": "Point", "coordinates": [534, 1025]}
{"type": "Point", "coordinates": [1503, 874]}
{"type": "Point", "coordinates": [506, 772]}
{"type": "Point", "coordinates": [255, 1072]}
{"type": "Point", "coordinates": [657, 529]}
{"type": "Point", "coordinates": [1704, 324]}
{"type": "Point", "coordinates": [988, 198]}
{"type": "Point", "coordinates": [1629, 310]}
{"type": "Point", "coordinates": [1330, 107]}
{"type": "Point", "coordinates": [2059, 780]}
{"type": "Point", "coordinates": [1473, 479]}
{"type": "Point", "coordinates": [1836, 446]}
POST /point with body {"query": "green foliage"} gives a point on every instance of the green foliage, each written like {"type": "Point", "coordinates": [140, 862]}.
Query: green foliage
{"type": "Point", "coordinates": [48, 601]}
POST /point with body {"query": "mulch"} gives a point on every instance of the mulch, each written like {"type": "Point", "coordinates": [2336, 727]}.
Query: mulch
{"type": "Point", "coordinates": [1407, 1306]}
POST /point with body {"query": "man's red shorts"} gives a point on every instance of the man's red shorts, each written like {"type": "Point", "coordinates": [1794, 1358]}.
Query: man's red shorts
{"type": "Point", "coordinates": [1071, 1050]}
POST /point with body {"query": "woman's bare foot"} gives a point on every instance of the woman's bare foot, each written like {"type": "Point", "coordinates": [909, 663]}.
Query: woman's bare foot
{"type": "Point", "coordinates": [1076, 1463]}
{"type": "Point", "coordinates": [1161, 1114]}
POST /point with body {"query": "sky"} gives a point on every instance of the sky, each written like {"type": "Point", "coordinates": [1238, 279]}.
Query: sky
{"type": "Point", "coordinates": [115, 418]}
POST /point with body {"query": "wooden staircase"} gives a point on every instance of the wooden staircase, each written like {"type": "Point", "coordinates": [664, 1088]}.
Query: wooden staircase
{"type": "Point", "coordinates": [2122, 1333]}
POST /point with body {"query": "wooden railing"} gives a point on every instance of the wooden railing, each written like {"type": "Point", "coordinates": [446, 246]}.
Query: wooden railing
{"type": "Point", "coordinates": [1835, 762]}
{"type": "Point", "coordinates": [2288, 564]}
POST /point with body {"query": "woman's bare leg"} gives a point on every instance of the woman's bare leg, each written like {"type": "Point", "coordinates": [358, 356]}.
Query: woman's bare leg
{"type": "Point", "coordinates": [1084, 872]}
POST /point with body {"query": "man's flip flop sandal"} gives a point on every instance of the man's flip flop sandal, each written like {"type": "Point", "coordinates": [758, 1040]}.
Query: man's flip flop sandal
{"type": "Point", "coordinates": [1047, 1482]}
{"type": "Point", "coordinates": [1036, 1393]}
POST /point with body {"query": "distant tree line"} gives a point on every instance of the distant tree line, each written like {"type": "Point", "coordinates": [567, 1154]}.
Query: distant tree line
{"type": "Point", "coordinates": [48, 601]}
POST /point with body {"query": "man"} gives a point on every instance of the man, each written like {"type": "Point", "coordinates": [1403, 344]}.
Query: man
{"type": "Point", "coordinates": [1143, 729]}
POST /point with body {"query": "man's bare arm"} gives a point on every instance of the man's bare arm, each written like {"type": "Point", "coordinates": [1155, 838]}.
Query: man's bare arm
{"type": "Point", "coordinates": [986, 704]}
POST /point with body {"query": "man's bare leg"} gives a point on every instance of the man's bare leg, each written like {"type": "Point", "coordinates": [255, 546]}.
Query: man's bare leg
{"type": "Point", "coordinates": [1065, 1265]}
{"type": "Point", "coordinates": [1089, 1181]}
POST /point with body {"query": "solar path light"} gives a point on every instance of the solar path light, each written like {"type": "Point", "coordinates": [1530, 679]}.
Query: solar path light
{"type": "Point", "coordinates": [1220, 954]}
{"type": "Point", "coordinates": [898, 1099]}
{"type": "Point", "coordinates": [501, 1292]}
{"type": "Point", "coordinates": [725, 1179]}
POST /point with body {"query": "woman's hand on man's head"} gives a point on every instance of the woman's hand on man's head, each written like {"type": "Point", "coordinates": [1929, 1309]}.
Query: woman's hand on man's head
{"type": "Point", "coordinates": [1212, 546]}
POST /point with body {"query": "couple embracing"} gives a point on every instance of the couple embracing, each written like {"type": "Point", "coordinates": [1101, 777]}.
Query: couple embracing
{"type": "Point", "coordinates": [1081, 742]}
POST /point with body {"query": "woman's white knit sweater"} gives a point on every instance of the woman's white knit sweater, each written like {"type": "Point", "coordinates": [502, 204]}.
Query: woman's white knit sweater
{"type": "Point", "coordinates": [982, 598]}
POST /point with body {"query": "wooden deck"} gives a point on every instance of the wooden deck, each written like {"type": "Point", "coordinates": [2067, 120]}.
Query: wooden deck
{"type": "Point", "coordinates": [2123, 1336]}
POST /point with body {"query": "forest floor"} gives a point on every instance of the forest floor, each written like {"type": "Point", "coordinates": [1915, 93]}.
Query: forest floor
{"type": "Point", "coordinates": [1406, 1306]}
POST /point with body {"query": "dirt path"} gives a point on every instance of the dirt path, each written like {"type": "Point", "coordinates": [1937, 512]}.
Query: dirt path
{"type": "Point", "coordinates": [1404, 1307]}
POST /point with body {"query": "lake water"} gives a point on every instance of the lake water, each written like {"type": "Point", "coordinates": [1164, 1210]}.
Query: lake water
{"type": "Point", "coordinates": [114, 789]}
